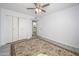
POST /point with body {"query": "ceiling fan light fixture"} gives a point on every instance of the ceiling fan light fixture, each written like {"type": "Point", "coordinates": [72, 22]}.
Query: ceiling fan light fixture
{"type": "Point", "coordinates": [38, 10]}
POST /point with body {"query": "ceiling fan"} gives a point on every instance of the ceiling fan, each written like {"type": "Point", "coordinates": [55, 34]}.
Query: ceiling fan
{"type": "Point", "coordinates": [39, 7]}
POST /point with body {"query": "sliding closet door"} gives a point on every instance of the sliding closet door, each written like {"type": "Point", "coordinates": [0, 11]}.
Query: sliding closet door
{"type": "Point", "coordinates": [15, 29]}
{"type": "Point", "coordinates": [23, 28]}
{"type": "Point", "coordinates": [8, 29]}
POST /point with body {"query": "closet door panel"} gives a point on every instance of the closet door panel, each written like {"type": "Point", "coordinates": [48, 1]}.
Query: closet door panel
{"type": "Point", "coordinates": [15, 29]}
{"type": "Point", "coordinates": [8, 29]}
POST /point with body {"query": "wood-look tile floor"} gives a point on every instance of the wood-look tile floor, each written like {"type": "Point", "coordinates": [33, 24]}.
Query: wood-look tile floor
{"type": "Point", "coordinates": [34, 47]}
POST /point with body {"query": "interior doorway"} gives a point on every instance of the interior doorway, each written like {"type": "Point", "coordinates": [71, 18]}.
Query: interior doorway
{"type": "Point", "coordinates": [34, 28]}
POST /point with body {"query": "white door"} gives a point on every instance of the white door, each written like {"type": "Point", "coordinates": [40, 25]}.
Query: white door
{"type": "Point", "coordinates": [11, 29]}
{"type": "Point", "coordinates": [8, 29]}
{"type": "Point", "coordinates": [15, 29]}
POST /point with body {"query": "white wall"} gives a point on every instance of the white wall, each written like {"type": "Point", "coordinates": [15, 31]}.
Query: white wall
{"type": "Point", "coordinates": [0, 26]}
{"type": "Point", "coordinates": [28, 24]}
{"type": "Point", "coordinates": [61, 26]}
{"type": "Point", "coordinates": [25, 28]}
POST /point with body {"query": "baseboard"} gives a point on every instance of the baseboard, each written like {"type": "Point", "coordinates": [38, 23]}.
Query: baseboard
{"type": "Point", "coordinates": [73, 49]}
{"type": "Point", "coordinates": [16, 41]}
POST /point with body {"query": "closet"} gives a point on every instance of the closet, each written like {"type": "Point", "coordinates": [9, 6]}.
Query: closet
{"type": "Point", "coordinates": [11, 29]}
{"type": "Point", "coordinates": [14, 28]}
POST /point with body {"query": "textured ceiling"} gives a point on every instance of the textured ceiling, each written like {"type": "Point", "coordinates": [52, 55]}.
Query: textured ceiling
{"type": "Point", "coordinates": [21, 7]}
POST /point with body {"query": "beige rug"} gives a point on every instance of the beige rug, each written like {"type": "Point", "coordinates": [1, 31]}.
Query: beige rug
{"type": "Point", "coordinates": [37, 47]}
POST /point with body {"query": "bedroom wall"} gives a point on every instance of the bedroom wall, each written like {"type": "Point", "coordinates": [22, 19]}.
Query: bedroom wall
{"type": "Point", "coordinates": [0, 26]}
{"type": "Point", "coordinates": [27, 22]}
{"type": "Point", "coordinates": [61, 26]}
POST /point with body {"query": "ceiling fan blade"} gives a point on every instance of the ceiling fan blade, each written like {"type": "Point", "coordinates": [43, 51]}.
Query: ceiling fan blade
{"type": "Point", "coordinates": [35, 4]}
{"type": "Point", "coordinates": [43, 10]}
{"type": "Point", "coordinates": [30, 8]}
{"type": "Point", "coordinates": [46, 5]}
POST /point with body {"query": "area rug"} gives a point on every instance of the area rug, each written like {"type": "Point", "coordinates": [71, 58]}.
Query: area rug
{"type": "Point", "coordinates": [38, 47]}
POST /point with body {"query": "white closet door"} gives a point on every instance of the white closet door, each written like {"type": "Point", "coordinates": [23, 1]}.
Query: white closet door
{"type": "Point", "coordinates": [8, 29]}
{"type": "Point", "coordinates": [15, 29]}
{"type": "Point", "coordinates": [22, 28]}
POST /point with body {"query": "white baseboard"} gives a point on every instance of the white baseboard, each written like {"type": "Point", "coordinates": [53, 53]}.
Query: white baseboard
{"type": "Point", "coordinates": [73, 49]}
